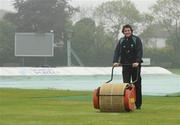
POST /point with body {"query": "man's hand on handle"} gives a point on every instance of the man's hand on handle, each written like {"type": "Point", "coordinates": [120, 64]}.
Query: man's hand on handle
{"type": "Point", "coordinates": [116, 64]}
{"type": "Point", "coordinates": [136, 64]}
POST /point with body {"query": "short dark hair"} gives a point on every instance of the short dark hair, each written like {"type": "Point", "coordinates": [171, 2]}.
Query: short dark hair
{"type": "Point", "coordinates": [127, 26]}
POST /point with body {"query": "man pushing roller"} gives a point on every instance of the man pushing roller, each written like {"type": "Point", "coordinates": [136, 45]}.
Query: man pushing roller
{"type": "Point", "coordinates": [129, 51]}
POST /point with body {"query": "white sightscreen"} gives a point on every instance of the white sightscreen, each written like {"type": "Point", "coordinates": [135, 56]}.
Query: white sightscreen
{"type": "Point", "coordinates": [34, 44]}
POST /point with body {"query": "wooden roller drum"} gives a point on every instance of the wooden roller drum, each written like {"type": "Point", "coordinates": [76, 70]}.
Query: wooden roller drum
{"type": "Point", "coordinates": [114, 97]}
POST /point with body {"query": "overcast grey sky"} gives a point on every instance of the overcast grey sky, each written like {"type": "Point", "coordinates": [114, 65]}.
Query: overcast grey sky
{"type": "Point", "coordinates": [142, 5]}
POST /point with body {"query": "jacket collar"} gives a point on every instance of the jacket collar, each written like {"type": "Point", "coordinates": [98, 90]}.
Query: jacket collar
{"type": "Point", "coordinates": [128, 37]}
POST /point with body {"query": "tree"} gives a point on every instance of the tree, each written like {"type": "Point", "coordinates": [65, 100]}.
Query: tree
{"type": "Point", "coordinates": [91, 43]}
{"type": "Point", "coordinates": [41, 16]}
{"type": "Point", "coordinates": [7, 32]}
{"type": "Point", "coordinates": [167, 13]}
{"type": "Point", "coordinates": [83, 38]}
{"type": "Point", "coordinates": [104, 46]}
{"type": "Point", "coordinates": [172, 42]}
{"type": "Point", "coordinates": [114, 14]}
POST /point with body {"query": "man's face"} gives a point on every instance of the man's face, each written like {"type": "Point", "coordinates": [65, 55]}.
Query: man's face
{"type": "Point", "coordinates": [127, 32]}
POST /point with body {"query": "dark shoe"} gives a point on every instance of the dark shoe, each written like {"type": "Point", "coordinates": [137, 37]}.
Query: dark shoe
{"type": "Point", "coordinates": [138, 108]}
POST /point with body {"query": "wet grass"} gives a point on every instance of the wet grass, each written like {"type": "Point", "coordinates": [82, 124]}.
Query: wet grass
{"type": "Point", "coordinates": [55, 107]}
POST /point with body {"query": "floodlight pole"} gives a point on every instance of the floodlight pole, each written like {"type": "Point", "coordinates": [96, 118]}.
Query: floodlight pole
{"type": "Point", "coordinates": [69, 53]}
{"type": "Point", "coordinates": [69, 37]}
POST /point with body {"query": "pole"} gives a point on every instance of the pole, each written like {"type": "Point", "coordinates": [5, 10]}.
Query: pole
{"type": "Point", "coordinates": [68, 53]}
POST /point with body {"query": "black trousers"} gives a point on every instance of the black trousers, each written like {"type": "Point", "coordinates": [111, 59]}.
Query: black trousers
{"type": "Point", "coordinates": [130, 73]}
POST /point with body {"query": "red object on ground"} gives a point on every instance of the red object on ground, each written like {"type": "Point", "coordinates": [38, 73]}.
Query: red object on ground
{"type": "Point", "coordinates": [96, 98]}
{"type": "Point", "coordinates": [130, 98]}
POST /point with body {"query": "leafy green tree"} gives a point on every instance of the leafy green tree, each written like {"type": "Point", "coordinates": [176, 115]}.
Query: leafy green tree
{"type": "Point", "coordinates": [104, 47]}
{"type": "Point", "coordinates": [83, 39]}
{"type": "Point", "coordinates": [91, 43]}
{"type": "Point", "coordinates": [173, 43]}
{"type": "Point", "coordinates": [41, 16]}
{"type": "Point", "coordinates": [114, 14]}
{"type": "Point", "coordinates": [7, 32]}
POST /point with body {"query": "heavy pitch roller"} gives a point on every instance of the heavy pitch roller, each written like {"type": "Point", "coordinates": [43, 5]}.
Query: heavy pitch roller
{"type": "Point", "coordinates": [115, 97]}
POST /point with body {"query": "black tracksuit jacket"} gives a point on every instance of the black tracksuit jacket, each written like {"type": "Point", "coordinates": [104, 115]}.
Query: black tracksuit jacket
{"type": "Point", "coordinates": [128, 50]}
